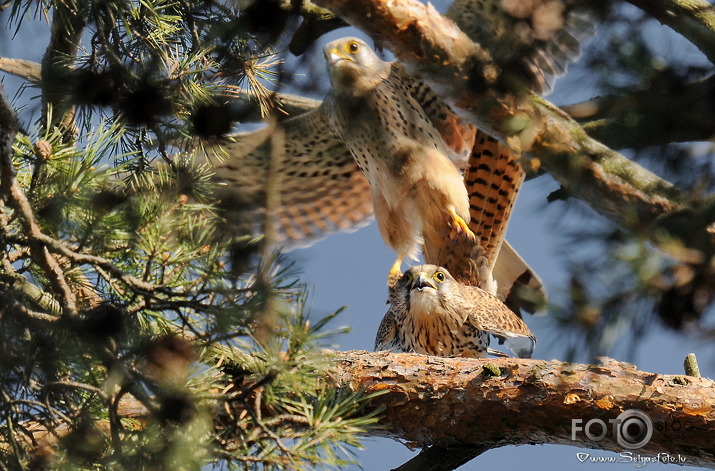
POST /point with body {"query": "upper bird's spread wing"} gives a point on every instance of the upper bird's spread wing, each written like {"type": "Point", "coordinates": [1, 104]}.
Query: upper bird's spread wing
{"type": "Point", "coordinates": [318, 185]}
{"type": "Point", "coordinates": [531, 40]}
{"type": "Point", "coordinates": [457, 133]}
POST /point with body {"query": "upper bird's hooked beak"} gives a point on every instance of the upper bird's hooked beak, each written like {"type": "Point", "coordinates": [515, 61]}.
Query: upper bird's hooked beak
{"type": "Point", "coordinates": [334, 56]}
{"type": "Point", "coordinates": [421, 282]}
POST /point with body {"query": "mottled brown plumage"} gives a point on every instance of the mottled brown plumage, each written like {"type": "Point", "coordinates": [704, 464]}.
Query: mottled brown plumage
{"type": "Point", "coordinates": [383, 142]}
{"type": "Point", "coordinates": [433, 314]}
{"type": "Point", "coordinates": [321, 189]}
{"type": "Point", "coordinates": [417, 190]}
{"type": "Point", "coordinates": [493, 177]}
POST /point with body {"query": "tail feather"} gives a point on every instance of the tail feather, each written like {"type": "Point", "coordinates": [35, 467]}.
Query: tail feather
{"type": "Point", "coordinates": [518, 285]}
{"type": "Point", "coordinates": [493, 178]}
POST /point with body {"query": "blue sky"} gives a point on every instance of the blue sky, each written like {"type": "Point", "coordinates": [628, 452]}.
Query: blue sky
{"type": "Point", "coordinates": [351, 270]}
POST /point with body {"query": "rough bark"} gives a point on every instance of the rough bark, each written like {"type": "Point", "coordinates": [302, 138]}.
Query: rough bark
{"type": "Point", "coordinates": [433, 48]}
{"type": "Point", "coordinates": [464, 407]}
{"type": "Point", "coordinates": [458, 402]}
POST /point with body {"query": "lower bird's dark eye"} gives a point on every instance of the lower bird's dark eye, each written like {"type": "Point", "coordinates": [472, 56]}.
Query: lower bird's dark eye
{"type": "Point", "coordinates": [439, 276]}
{"type": "Point", "coordinates": [353, 47]}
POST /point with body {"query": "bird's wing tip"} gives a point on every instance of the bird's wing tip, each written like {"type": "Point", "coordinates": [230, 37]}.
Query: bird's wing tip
{"type": "Point", "coordinates": [523, 347]}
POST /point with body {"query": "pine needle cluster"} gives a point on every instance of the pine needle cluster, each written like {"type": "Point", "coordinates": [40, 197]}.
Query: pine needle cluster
{"type": "Point", "coordinates": [130, 339]}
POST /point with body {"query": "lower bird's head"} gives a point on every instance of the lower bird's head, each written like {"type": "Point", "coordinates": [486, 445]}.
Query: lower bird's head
{"type": "Point", "coordinates": [353, 65]}
{"type": "Point", "coordinates": [426, 286]}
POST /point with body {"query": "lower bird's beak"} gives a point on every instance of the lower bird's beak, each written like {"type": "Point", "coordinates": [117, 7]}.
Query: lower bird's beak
{"type": "Point", "coordinates": [422, 282]}
{"type": "Point", "coordinates": [334, 56]}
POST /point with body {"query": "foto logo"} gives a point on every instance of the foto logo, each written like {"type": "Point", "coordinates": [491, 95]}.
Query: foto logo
{"type": "Point", "coordinates": [582, 456]}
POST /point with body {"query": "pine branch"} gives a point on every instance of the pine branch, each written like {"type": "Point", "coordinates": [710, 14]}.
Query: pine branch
{"type": "Point", "coordinates": [291, 104]}
{"type": "Point", "coordinates": [462, 72]}
{"type": "Point", "coordinates": [456, 402]}
{"type": "Point", "coordinates": [66, 34]}
{"type": "Point", "coordinates": [694, 19]}
{"type": "Point", "coordinates": [13, 193]}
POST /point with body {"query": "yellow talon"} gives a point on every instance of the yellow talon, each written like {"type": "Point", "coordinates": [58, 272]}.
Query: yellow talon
{"type": "Point", "coordinates": [460, 226]}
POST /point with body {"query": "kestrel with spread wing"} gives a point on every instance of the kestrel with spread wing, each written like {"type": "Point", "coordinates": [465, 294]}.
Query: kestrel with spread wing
{"type": "Point", "coordinates": [383, 142]}
{"type": "Point", "coordinates": [531, 40]}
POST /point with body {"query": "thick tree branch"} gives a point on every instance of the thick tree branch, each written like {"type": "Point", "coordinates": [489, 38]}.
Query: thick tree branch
{"type": "Point", "coordinates": [455, 402]}
{"type": "Point", "coordinates": [437, 458]}
{"type": "Point", "coordinates": [316, 22]}
{"type": "Point", "coordinates": [459, 408]}
{"type": "Point", "coordinates": [637, 119]}
{"type": "Point", "coordinates": [28, 70]}
{"type": "Point", "coordinates": [433, 48]}
{"type": "Point", "coordinates": [694, 19]}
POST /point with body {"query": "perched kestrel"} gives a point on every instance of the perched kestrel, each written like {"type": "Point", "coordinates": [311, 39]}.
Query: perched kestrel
{"type": "Point", "coordinates": [433, 314]}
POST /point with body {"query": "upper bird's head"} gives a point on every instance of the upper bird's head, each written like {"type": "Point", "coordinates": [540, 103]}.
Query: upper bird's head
{"type": "Point", "coordinates": [353, 65]}
{"type": "Point", "coordinates": [426, 287]}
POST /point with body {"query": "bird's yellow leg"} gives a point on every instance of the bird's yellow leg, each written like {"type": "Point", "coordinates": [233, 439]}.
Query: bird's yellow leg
{"type": "Point", "coordinates": [459, 226]}
{"type": "Point", "coordinates": [395, 271]}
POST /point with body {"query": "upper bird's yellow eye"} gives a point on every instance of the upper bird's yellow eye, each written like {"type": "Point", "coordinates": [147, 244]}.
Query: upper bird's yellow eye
{"type": "Point", "coordinates": [439, 276]}
{"type": "Point", "coordinates": [352, 47]}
